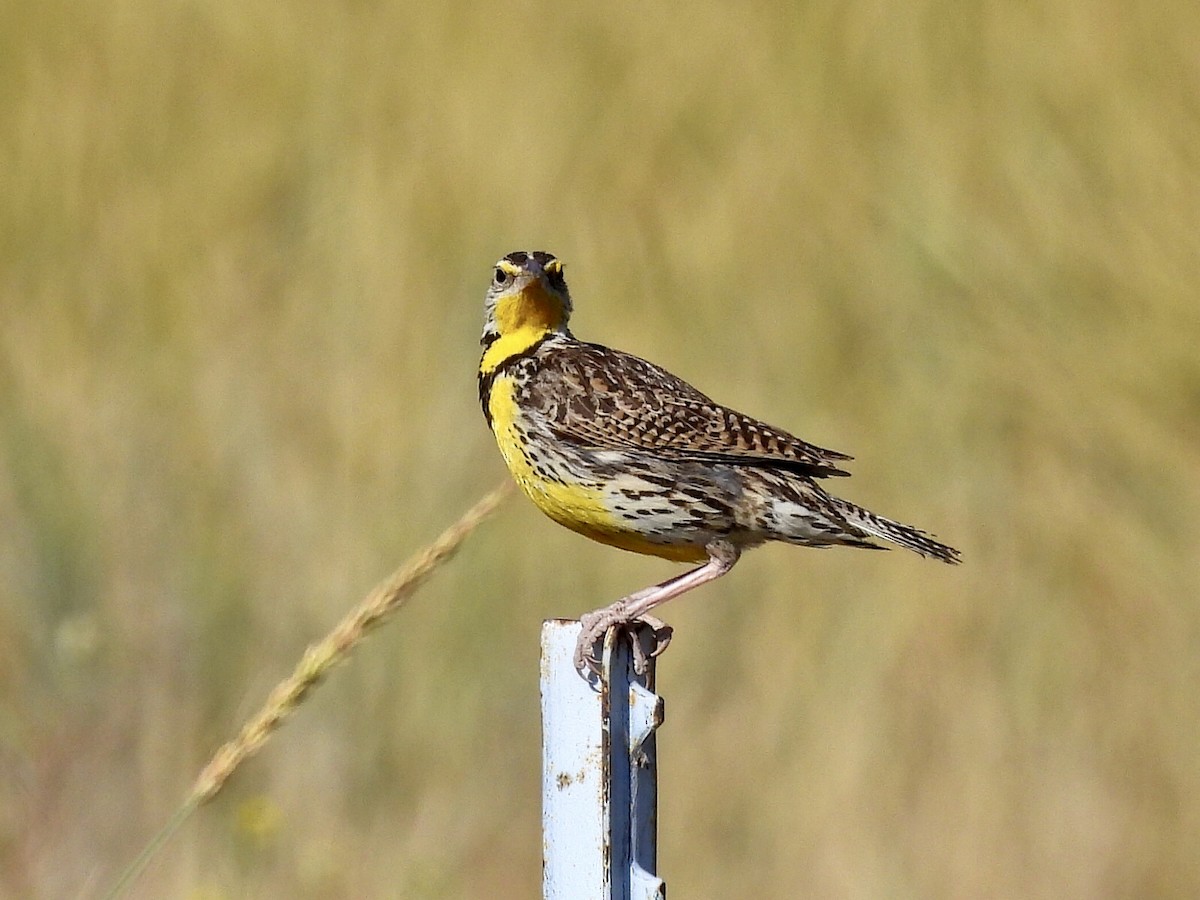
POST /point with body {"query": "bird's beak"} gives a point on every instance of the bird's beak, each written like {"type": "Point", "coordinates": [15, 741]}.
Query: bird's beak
{"type": "Point", "coordinates": [533, 280]}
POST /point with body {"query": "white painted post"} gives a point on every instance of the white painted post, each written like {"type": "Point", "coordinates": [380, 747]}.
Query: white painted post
{"type": "Point", "coordinates": [599, 771]}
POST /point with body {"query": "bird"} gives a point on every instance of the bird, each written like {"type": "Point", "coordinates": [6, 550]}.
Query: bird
{"type": "Point", "coordinates": [621, 451]}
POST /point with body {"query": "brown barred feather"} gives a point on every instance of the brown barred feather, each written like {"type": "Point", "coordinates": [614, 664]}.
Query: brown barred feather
{"type": "Point", "coordinates": [606, 398]}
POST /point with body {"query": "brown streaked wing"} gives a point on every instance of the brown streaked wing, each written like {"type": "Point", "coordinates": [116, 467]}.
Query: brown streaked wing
{"type": "Point", "coordinates": [607, 399]}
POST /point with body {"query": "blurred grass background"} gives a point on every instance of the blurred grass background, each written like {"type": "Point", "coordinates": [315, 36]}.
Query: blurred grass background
{"type": "Point", "coordinates": [243, 249]}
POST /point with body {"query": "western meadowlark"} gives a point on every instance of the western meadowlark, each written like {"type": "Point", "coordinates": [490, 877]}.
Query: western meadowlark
{"type": "Point", "coordinates": [622, 451]}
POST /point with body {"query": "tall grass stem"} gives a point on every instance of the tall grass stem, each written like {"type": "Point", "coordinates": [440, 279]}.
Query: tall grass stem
{"type": "Point", "coordinates": [314, 665]}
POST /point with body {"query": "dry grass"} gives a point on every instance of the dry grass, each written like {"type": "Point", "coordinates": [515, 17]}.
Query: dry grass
{"type": "Point", "coordinates": [318, 661]}
{"type": "Point", "coordinates": [242, 252]}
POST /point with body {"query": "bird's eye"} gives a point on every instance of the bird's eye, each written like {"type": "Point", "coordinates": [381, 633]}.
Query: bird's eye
{"type": "Point", "coordinates": [501, 277]}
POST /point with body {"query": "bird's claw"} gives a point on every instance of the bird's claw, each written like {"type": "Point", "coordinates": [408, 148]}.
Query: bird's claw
{"type": "Point", "coordinates": [595, 626]}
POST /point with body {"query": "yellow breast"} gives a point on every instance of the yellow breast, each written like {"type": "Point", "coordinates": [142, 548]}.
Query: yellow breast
{"type": "Point", "coordinates": [572, 502]}
{"type": "Point", "coordinates": [567, 501]}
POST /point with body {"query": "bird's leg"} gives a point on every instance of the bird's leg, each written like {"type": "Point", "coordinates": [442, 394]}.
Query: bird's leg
{"type": "Point", "coordinates": [721, 557]}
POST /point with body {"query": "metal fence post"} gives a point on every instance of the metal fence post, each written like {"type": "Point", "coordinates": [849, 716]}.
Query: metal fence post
{"type": "Point", "coordinates": [599, 771]}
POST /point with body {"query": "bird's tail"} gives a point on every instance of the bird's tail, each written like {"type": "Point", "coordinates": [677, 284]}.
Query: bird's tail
{"type": "Point", "coordinates": [898, 533]}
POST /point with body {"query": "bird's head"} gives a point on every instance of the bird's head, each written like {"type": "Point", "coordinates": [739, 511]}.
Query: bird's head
{"type": "Point", "coordinates": [527, 298]}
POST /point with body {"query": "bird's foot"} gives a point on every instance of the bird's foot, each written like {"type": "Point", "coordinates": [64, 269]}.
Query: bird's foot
{"type": "Point", "coordinates": [594, 627]}
{"type": "Point", "coordinates": [660, 634]}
